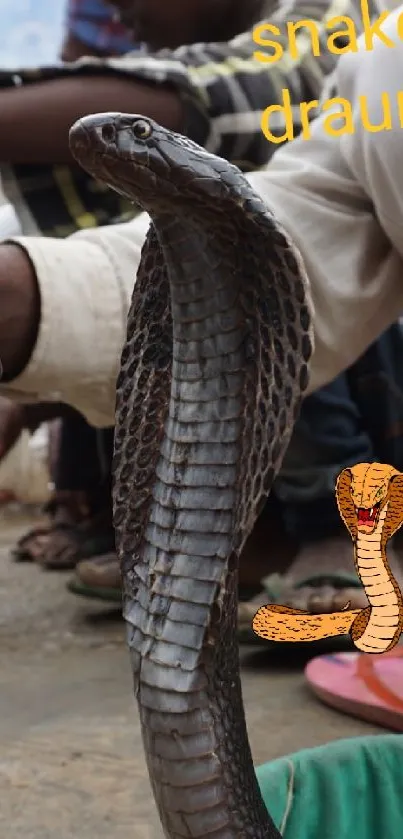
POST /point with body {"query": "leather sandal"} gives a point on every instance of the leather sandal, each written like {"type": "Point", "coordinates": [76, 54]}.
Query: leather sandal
{"type": "Point", "coordinates": [75, 532]}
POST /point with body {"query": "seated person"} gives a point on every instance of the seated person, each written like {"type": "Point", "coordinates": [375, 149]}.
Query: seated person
{"type": "Point", "coordinates": [344, 186]}
{"type": "Point", "coordinates": [93, 28]}
{"type": "Point", "coordinates": [356, 418]}
{"type": "Point", "coordinates": [80, 509]}
{"type": "Point", "coordinates": [57, 200]}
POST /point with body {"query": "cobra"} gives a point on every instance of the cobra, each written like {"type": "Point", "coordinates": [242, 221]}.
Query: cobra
{"type": "Point", "coordinates": [370, 501]}
{"type": "Point", "coordinates": [212, 373]}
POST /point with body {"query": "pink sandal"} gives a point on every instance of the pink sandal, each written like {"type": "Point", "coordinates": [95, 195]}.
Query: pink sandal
{"type": "Point", "coordinates": [366, 686]}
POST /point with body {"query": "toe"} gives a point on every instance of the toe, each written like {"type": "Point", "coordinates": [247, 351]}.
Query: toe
{"type": "Point", "coordinates": [297, 598]}
{"type": "Point", "coordinates": [354, 596]}
{"type": "Point", "coordinates": [325, 599]}
{"type": "Point", "coordinates": [321, 600]}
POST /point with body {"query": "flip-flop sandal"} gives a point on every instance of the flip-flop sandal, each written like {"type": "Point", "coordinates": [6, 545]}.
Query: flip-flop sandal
{"type": "Point", "coordinates": [86, 537]}
{"type": "Point", "coordinates": [106, 594]}
{"type": "Point", "coordinates": [366, 686]}
{"type": "Point", "coordinates": [98, 578]}
{"type": "Point", "coordinates": [82, 545]}
{"type": "Point", "coordinates": [83, 542]}
{"type": "Point", "coordinates": [274, 588]}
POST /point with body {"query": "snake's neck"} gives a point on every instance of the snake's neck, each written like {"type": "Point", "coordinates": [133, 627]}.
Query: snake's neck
{"type": "Point", "coordinates": [182, 627]}
{"type": "Point", "coordinates": [381, 588]}
{"type": "Point", "coordinates": [370, 558]}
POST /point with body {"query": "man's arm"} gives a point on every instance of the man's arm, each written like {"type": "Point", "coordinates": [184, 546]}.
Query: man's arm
{"type": "Point", "coordinates": [19, 311]}
{"type": "Point", "coordinates": [215, 93]}
{"type": "Point", "coordinates": [373, 81]}
{"type": "Point", "coordinates": [68, 348]}
{"type": "Point", "coordinates": [339, 198]}
{"type": "Point", "coordinates": [35, 119]}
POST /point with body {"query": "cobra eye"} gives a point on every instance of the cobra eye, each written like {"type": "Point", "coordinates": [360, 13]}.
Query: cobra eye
{"type": "Point", "coordinates": [142, 129]}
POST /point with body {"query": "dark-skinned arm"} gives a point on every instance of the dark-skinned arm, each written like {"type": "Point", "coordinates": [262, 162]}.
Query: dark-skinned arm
{"type": "Point", "coordinates": [19, 310]}
{"type": "Point", "coordinates": [19, 323]}
{"type": "Point", "coordinates": [56, 298]}
{"type": "Point", "coordinates": [35, 119]}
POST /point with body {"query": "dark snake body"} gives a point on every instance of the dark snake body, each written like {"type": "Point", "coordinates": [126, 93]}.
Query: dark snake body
{"type": "Point", "coordinates": [211, 379]}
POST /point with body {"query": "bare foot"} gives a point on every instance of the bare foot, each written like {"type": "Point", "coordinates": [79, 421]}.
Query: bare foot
{"type": "Point", "coordinates": [332, 559]}
{"type": "Point", "coordinates": [327, 566]}
{"type": "Point", "coordinates": [318, 580]}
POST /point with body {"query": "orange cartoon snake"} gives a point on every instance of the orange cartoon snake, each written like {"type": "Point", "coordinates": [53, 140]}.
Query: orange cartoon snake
{"type": "Point", "coordinates": [370, 501]}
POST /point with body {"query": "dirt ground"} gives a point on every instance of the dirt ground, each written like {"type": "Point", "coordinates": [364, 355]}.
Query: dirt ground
{"type": "Point", "coordinates": [71, 760]}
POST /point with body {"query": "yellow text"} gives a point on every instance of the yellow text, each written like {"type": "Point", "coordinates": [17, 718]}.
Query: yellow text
{"type": "Point", "coordinates": [338, 117]}
{"type": "Point", "coordinates": [341, 27]}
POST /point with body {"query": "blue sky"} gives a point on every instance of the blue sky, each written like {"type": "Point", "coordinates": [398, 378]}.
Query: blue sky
{"type": "Point", "coordinates": [30, 31]}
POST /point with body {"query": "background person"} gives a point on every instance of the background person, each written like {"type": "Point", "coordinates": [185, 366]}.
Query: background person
{"type": "Point", "coordinates": [79, 508]}
{"type": "Point", "coordinates": [93, 28]}
{"type": "Point", "coordinates": [344, 188]}
{"type": "Point", "coordinates": [58, 199]}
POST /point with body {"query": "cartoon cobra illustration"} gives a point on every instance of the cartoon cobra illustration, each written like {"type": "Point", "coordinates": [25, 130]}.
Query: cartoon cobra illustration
{"type": "Point", "coordinates": [370, 501]}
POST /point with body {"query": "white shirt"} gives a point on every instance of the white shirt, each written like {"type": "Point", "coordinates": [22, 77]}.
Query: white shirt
{"type": "Point", "coordinates": [341, 200]}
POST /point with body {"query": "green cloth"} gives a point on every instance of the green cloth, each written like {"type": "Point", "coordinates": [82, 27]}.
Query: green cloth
{"type": "Point", "coordinates": [349, 789]}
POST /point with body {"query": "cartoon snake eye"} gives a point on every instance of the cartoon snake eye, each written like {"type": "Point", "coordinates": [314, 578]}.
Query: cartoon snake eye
{"type": "Point", "coordinates": [142, 129]}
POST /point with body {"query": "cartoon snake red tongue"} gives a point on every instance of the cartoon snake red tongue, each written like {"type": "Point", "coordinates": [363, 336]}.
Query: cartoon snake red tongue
{"type": "Point", "coordinates": [366, 515]}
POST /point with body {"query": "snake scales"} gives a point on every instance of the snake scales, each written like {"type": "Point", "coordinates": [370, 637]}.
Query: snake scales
{"type": "Point", "coordinates": [212, 372]}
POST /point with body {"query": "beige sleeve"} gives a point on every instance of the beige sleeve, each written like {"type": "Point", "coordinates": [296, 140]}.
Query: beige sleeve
{"type": "Point", "coordinates": [373, 81]}
{"type": "Point", "coordinates": [85, 285]}
{"type": "Point", "coordinates": [341, 200]}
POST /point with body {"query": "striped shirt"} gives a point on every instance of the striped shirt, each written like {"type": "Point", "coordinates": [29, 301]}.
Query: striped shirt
{"type": "Point", "coordinates": [224, 90]}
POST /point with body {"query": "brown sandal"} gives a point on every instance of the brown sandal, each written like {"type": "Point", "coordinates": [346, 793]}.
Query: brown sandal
{"type": "Point", "coordinates": [30, 545]}
{"type": "Point", "coordinates": [75, 533]}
